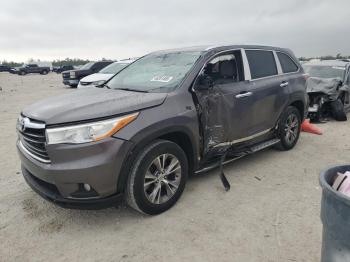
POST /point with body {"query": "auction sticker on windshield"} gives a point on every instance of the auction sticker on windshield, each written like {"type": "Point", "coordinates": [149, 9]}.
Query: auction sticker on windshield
{"type": "Point", "coordinates": [164, 79]}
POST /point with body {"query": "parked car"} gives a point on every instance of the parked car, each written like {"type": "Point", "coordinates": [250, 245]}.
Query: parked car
{"type": "Point", "coordinates": [103, 75]}
{"type": "Point", "coordinates": [32, 68]}
{"type": "Point", "coordinates": [14, 70]}
{"type": "Point", "coordinates": [164, 117]}
{"type": "Point", "coordinates": [5, 68]}
{"type": "Point", "coordinates": [329, 89]}
{"type": "Point", "coordinates": [72, 77]}
{"type": "Point", "coordinates": [60, 69]}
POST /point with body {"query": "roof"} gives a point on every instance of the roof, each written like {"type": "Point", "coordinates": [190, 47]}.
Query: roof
{"type": "Point", "coordinates": [206, 48]}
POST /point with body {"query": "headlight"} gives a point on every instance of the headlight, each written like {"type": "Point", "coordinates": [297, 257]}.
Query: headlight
{"type": "Point", "coordinates": [72, 74]}
{"type": "Point", "coordinates": [98, 83]}
{"type": "Point", "coordinates": [88, 132]}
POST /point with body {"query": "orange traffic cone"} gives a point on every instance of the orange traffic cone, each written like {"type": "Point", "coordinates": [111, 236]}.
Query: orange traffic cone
{"type": "Point", "coordinates": [306, 126]}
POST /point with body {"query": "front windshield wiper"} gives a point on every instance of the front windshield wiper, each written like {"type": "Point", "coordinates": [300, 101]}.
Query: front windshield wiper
{"type": "Point", "coordinates": [132, 90]}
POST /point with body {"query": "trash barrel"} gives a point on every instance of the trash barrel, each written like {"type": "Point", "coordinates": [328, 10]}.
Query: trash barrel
{"type": "Point", "coordinates": [335, 216]}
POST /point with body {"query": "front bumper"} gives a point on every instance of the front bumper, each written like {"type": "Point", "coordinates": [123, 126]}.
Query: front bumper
{"type": "Point", "coordinates": [61, 181]}
{"type": "Point", "coordinates": [71, 82]}
{"type": "Point", "coordinates": [49, 193]}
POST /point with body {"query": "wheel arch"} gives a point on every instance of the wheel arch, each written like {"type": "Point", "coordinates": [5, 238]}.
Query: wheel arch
{"type": "Point", "coordinates": [298, 104]}
{"type": "Point", "coordinates": [179, 135]}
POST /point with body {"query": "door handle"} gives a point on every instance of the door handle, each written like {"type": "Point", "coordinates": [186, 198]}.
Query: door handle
{"type": "Point", "coordinates": [283, 84]}
{"type": "Point", "coordinates": [245, 94]}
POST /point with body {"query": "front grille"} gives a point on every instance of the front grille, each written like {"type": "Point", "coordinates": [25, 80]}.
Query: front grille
{"type": "Point", "coordinates": [33, 139]}
{"type": "Point", "coordinates": [84, 83]}
{"type": "Point", "coordinates": [66, 75]}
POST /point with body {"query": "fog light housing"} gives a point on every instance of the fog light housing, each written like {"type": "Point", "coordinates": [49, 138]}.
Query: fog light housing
{"type": "Point", "coordinates": [85, 190]}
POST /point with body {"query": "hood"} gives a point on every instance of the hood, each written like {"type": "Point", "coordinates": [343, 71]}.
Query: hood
{"type": "Point", "coordinates": [327, 86]}
{"type": "Point", "coordinates": [96, 77]}
{"type": "Point", "coordinates": [90, 104]}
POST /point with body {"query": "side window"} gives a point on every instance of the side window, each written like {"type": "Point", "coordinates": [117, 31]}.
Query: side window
{"type": "Point", "coordinates": [226, 68]}
{"type": "Point", "coordinates": [261, 63]}
{"type": "Point", "coordinates": [287, 64]}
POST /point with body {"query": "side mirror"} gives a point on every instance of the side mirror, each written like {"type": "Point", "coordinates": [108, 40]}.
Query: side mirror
{"type": "Point", "coordinates": [204, 82]}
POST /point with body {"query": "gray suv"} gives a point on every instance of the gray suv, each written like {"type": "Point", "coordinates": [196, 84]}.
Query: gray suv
{"type": "Point", "coordinates": [166, 116]}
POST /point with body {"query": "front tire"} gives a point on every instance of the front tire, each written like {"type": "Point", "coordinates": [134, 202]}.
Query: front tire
{"type": "Point", "coordinates": [289, 128]}
{"type": "Point", "coordinates": [157, 178]}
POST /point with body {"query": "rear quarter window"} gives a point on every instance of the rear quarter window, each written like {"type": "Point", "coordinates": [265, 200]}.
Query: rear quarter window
{"type": "Point", "coordinates": [261, 63]}
{"type": "Point", "coordinates": [287, 64]}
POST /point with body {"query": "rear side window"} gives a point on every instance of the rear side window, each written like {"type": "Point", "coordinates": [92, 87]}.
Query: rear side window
{"type": "Point", "coordinates": [287, 64]}
{"type": "Point", "coordinates": [261, 63]}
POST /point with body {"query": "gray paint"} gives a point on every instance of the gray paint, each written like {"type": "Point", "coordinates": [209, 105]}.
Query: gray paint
{"type": "Point", "coordinates": [90, 104]}
{"type": "Point", "coordinates": [207, 118]}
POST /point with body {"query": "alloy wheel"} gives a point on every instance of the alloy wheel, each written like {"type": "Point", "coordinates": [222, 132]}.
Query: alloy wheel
{"type": "Point", "coordinates": [162, 178]}
{"type": "Point", "coordinates": [291, 128]}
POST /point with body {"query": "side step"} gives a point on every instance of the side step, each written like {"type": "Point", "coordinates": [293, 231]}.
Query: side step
{"type": "Point", "coordinates": [251, 150]}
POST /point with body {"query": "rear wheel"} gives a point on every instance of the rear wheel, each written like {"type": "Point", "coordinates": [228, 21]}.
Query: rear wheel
{"type": "Point", "coordinates": [157, 178]}
{"type": "Point", "coordinates": [289, 128]}
{"type": "Point", "coordinates": [44, 72]}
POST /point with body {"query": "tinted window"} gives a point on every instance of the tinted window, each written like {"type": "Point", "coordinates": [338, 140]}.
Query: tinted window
{"type": "Point", "coordinates": [261, 63]}
{"type": "Point", "coordinates": [287, 63]}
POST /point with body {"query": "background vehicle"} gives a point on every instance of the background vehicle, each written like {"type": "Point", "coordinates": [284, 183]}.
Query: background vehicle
{"type": "Point", "coordinates": [60, 69]}
{"type": "Point", "coordinates": [4, 68]}
{"type": "Point", "coordinates": [103, 75]}
{"type": "Point", "coordinates": [72, 77]}
{"type": "Point", "coordinates": [328, 89]}
{"type": "Point", "coordinates": [167, 115]}
{"type": "Point", "coordinates": [32, 68]}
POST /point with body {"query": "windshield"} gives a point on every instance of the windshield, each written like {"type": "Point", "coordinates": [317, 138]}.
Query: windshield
{"type": "Point", "coordinates": [325, 71]}
{"type": "Point", "coordinates": [113, 68]}
{"type": "Point", "coordinates": [87, 66]}
{"type": "Point", "coordinates": [160, 71]}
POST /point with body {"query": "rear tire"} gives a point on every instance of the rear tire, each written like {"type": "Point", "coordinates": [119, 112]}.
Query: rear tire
{"type": "Point", "coordinates": [157, 178]}
{"type": "Point", "coordinates": [289, 127]}
{"type": "Point", "coordinates": [44, 72]}
{"type": "Point", "coordinates": [338, 111]}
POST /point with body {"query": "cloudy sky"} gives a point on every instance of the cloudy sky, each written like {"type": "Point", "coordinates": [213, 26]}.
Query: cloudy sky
{"type": "Point", "coordinates": [114, 29]}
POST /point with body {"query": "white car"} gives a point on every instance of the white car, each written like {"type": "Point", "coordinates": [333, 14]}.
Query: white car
{"type": "Point", "coordinates": [104, 75]}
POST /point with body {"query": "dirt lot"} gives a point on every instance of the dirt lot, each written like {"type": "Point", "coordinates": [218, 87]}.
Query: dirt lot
{"type": "Point", "coordinates": [270, 214]}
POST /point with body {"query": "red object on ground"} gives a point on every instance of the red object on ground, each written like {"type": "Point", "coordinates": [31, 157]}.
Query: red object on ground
{"type": "Point", "coordinates": [306, 126]}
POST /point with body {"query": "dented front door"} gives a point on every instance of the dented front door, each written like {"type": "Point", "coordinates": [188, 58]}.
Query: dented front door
{"type": "Point", "coordinates": [223, 110]}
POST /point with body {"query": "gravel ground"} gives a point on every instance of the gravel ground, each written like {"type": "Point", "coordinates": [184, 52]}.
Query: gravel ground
{"type": "Point", "coordinates": [270, 214]}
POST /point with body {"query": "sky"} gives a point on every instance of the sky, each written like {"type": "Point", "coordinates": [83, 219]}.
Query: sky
{"type": "Point", "coordinates": [117, 29]}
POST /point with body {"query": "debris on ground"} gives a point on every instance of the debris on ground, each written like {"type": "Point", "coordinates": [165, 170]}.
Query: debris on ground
{"type": "Point", "coordinates": [342, 183]}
